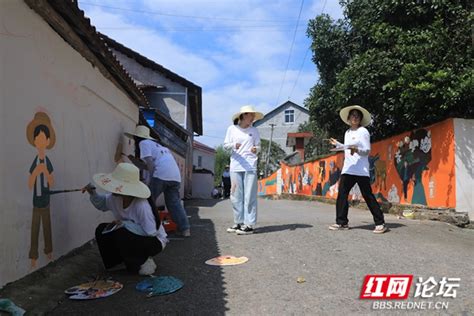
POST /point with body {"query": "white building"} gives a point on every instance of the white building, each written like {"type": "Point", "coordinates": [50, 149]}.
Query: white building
{"type": "Point", "coordinates": [285, 119]}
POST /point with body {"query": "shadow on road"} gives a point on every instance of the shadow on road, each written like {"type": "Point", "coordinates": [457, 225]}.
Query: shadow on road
{"type": "Point", "coordinates": [371, 226]}
{"type": "Point", "coordinates": [42, 292]}
{"type": "Point", "coordinates": [277, 228]}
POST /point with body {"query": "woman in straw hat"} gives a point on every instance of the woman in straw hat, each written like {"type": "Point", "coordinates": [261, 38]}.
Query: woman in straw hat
{"type": "Point", "coordinates": [356, 167]}
{"type": "Point", "coordinates": [165, 175]}
{"type": "Point", "coordinates": [136, 235]}
{"type": "Point", "coordinates": [244, 141]}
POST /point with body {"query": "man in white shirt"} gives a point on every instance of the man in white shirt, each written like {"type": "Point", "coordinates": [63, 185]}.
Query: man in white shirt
{"type": "Point", "coordinates": [165, 175]}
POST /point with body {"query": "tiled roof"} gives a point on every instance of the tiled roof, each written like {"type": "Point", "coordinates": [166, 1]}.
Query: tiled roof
{"type": "Point", "coordinates": [194, 91]}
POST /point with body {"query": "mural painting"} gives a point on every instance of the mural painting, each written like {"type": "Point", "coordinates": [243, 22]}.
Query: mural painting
{"type": "Point", "coordinates": [40, 134]}
{"type": "Point", "coordinates": [404, 169]}
{"type": "Point", "coordinates": [411, 160]}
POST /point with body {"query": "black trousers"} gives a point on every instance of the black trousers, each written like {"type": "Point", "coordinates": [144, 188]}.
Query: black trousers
{"type": "Point", "coordinates": [227, 185]}
{"type": "Point", "coordinates": [123, 246]}
{"type": "Point", "coordinates": [346, 182]}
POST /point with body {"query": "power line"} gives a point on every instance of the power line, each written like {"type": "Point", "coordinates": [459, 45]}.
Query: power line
{"type": "Point", "coordinates": [176, 15]}
{"type": "Point", "coordinates": [289, 55]}
{"type": "Point", "coordinates": [304, 59]}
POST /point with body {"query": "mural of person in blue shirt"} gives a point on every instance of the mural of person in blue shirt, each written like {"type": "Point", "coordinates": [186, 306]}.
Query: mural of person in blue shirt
{"type": "Point", "coordinates": [41, 135]}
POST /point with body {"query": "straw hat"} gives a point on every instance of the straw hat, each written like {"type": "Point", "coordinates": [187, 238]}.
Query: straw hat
{"type": "Point", "coordinates": [248, 109]}
{"type": "Point", "coordinates": [142, 132]}
{"type": "Point", "coordinates": [124, 180]}
{"type": "Point", "coordinates": [344, 113]}
{"type": "Point", "coordinates": [40, 118]}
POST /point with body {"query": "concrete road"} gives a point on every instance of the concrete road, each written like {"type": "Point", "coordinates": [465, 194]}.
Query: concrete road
{"type": "Point", "coordinates": [291, 241]}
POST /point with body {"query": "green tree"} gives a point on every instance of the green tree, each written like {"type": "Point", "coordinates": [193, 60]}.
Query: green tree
{"type": "Point", "coordinates": [410, 63]}
{"type": "Point", "coordinates": [222, 159]}
{"type": "Point", "coordinates": [276, 154]}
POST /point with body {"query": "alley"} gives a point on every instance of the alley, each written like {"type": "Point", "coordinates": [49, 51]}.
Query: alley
{"type": "Point", "coordinates": [292, 241]}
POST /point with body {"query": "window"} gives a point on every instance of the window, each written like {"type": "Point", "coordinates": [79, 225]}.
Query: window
{"type": "Point", "coordinates": [289, 116]}
{"type": "Point", "coordinates": [199, 161]}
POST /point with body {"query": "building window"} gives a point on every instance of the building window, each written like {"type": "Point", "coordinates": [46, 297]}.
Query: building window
{"type": "Point", "coordinates": [289, 116]}
{"type": "Point", "coordinates": [199, 161]}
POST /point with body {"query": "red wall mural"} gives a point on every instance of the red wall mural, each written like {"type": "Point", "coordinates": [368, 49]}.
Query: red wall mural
{"type": "Point", "coordinates": [415, 167]}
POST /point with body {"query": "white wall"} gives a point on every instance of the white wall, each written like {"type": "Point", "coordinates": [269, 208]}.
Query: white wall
{"type": "Point", "coordinates": [281, 129]}
{"type": "Point", "coordinates": [41, 72]}
{"type": "Point", "coordinates": [464, 153]}
{"type": "Point", "coordinates": [203, 183]}
{"type": "Point", "coordinates": [208, 159]}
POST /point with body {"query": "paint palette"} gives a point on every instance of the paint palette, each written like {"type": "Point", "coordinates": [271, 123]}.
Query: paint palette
{"type": "Point", "coordinates": [159, 285]}
{"type": "Point", "coordinates": [93, 290]}
{"type": "Point", "coordinates": [226, 261]}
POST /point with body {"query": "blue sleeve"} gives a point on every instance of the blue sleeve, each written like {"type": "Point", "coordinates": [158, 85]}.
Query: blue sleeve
{"type": "Point", "coordinates": [99, 201]}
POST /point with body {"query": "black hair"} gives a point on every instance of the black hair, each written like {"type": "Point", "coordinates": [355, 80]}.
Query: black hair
{"type": "Point", "coordinates": [236, 121]}
{"type": "Point", "coordinates": [39, 129]}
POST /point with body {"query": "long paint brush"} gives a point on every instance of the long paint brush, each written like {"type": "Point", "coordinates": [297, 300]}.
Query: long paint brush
{"type": "Point", "coordinates": [51, 192]}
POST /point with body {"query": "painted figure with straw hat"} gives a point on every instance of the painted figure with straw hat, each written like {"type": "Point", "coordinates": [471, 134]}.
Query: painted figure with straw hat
{"type": "Point", "coordinates": [40, 134]}
{"type": "Point", "coordinates": [355, 170]}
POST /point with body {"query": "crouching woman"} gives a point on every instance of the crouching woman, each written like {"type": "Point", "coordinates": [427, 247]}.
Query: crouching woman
{"type": "Point", "coordinates": [137, 234]}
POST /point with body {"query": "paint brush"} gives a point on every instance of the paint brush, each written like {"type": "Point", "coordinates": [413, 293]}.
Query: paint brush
{"type": "Point", "coordinates": [51, 192]}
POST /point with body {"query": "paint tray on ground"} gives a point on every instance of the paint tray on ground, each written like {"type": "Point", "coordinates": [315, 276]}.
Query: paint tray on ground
{"type": "Point", "coordinates": [226, 261]}
{"type": "Point", "coordinates": [159, 285]}
{"type": "Point", "coordinates": [93, 290]}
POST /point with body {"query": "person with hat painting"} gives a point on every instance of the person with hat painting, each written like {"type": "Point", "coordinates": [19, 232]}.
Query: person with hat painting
{"type": "Point", "coordinates": [40, 134]}
{"type": "Point", "coordinates": [165, 175]}
{"type": "Point", "coordinates": [356, 149]}
{"type": "Point", "coordinates": [137, 234]}
{"type": "Point", "coordinates": [244, 141]}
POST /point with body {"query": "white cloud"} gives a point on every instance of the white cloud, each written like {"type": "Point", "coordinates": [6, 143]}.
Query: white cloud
{"type": "Point", "coordinates": [240, 59]}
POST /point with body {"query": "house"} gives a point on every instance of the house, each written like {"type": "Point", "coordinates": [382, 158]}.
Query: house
{"type": "Point", "coordinates": [284, 119]}
{"type": "Point", "coordinates": [203, 170]}
{"type": "Point", "coordinates": [65, 101]}
{"type": "Point", "coordinates": [172, 97]}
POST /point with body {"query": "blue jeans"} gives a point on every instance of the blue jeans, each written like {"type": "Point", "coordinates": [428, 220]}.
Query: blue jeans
{"type": "Point", "coordinates": [172, 200]}
{"type": "Point", "coordinates": [243, 195]}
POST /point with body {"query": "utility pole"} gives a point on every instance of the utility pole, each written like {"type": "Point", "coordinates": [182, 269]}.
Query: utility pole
{"type": "Point", "coordinates": [268, 152]}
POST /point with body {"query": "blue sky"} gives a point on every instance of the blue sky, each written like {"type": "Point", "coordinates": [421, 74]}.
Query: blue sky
{"type": "Point", "coordinates": [237, 51]}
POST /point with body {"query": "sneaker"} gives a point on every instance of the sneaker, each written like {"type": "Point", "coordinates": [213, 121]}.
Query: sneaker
{"type": "Point", "coordinates": [244, 230]}
{"type": "Point", "coordinates": [338, 227]}
{"type": "Point", "coordinates": [380, 229]}
{"type": "Point", "coordinates": [148, 267]}
{"type": "Point", "coordinates": [233, 228]}
{"type": "Point", "coordinates": [184, 233]}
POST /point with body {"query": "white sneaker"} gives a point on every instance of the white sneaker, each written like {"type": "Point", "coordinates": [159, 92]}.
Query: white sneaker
{"type": "Point", "coordinates": [148, 267]}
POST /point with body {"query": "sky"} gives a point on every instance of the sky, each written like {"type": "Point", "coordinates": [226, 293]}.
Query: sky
{"type": "Point", "coordinates": [245, 52]}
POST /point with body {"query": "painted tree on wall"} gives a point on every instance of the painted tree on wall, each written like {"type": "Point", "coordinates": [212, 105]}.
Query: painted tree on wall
{"type": "Point", "coordinates": [411, 160]}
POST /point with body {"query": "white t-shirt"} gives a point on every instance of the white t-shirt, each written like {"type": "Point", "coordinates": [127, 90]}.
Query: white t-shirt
{"type": "Point", "coordinates": [358, 163]}
{"type": "Point", "coordinates": [139, 212]}
{"type": "Point", "coordinates": [165, 167]}
{"type": "Point", "coordinates": [242, 159]}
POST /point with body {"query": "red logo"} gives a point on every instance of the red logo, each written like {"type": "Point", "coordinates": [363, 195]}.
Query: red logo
{"type": "Point", "coordinates": [386, 287]}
